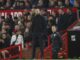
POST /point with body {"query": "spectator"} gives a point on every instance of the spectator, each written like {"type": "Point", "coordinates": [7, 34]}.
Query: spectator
{"type": "Point", "coordinates": [28, 4]}
{"type": "Point", "coordinates": [52, 20]}
{"type": "Point", "coordinates": [15, 20]}
{"type": "Point", "coordinates": [16, 5]}
{"type": "Point", "coordinates": [8, 4]}
{"type": "Point", "coordinates": [27, 35]}
{"type": "Point", "coordinates": [40, 3]}
{"type": "Point", "coordinates": [17, 28]}
{"type": "Point", "coordinates": [71, 16]}
{"type": "Point", "coordinates": [52, 3]}
{"type": "Point", "coordinates": [54, 15]}
{"type": "Point", "coordinates": [34, 3]}
{"type": "Point", "coordinates": [5, 40]}
{"type": "Point", "coordinates": [2, 4]}
{"type": "Point", "coordinates": [10, 23]}
{"type": "Point", "coordinates": [61, 20]}
{"type": "Point", "coordinates": [46, 3]}
{"type": "Point", "coordinates": [4, 43]}
{"type": "Point", "coordinates": [60, 4]}
{"type": "Point", "coordinates": [17, 38]}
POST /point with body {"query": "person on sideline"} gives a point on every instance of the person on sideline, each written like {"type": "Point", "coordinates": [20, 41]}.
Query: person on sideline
{"type": "Point", "coordinates": [38, 30]}
{"type": "Point", "coordinates": [56, 42]}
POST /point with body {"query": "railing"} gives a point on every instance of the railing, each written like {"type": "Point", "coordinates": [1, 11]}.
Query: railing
{"type": "Point", "coordinates": [64, 51]}
{"type": "Point", "coordinates": [12, 52]}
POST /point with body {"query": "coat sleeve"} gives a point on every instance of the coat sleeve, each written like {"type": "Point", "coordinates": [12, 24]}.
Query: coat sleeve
{"type": "Point", "coordinates": [60, 40]}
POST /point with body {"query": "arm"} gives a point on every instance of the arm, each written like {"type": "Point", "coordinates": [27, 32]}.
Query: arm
{"type": "Point", "coordinates": [13, 38]}
{"type": "Point", "coordinates": [60, 40]}
{"type": "Point", "coordinates": [20, 41]}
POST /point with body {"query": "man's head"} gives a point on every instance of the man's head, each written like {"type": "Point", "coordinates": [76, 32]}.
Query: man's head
{"type": "Point", "coordinates": [4, 35]}
{"type": "Point", "coordinates": [2, 18]}
{"type": "Point", "coordinates": [37, 11]}
{"type": "Point", "coordinates": [60, 11]}
{"type": "Point", "coordinates": [54, 28]}
{"type": "Point", "coordinates": [69, 10]}
{"type": "Point", "coordinates": [17, 27]}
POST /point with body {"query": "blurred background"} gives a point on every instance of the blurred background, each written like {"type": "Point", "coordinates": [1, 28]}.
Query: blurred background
{"type": "Point", "coordinates": [16, 18]}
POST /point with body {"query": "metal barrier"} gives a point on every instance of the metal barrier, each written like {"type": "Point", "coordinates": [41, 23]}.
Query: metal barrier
{"type": "Point", "coordinates": [64, 51]}
{"type": "Point", "coordinates": [12, 52]}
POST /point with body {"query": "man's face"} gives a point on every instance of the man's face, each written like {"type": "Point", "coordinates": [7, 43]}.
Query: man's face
{"type": "Point", "coordinates": [60, 11]}
{"type": "Point", "coordinates": [17, 27]}
{"type": "Point", "coordinates": [53, 29]}
{"type": "Point", "coordinates": [4, 36]}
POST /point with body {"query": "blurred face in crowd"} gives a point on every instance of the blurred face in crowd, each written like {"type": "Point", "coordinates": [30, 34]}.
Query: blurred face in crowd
{"type": "Point", "coordinates": [29, 17]}
{"type": "Point", "coordinates": [26, 4]}
{"type": "Point", "coordinates": [3, 30]}
{"type": "Point", "coordinates": [40, 2]}
{"type": "Point", "coordinates": [53, 13]}
{"type": "Point", "coordinates": [3, 27]}
{"type": "Point", "coordinates": [28, 24]}
{"type": "Point", "coordinates": [16, 20]}
{"type": "Point", "coordinates": [60, 11]}
{"type": "Point", "coordinates": [4, 36]}
{"type": "Point", "coordinates": [17, 3]}
{"type": "Point", "coordinates": [17, 27]}
{"type": "Point", "coordinates": [68, 11]}
{"type": "Point", "coordinates": [32, 11]}
{"type": "Point", "coordinates": [54, 29]}
{"type": "Point", "coordinates": [7, 4]}
{"type": "Point", "coordinates": [3, 23]}
{"type": "Point", "coordinates": [60, 3]}
{"type": "Point", "coordinates": [18, 32]}
{"type": "Point", "coordinates": [2, 19]}
{"type": "Point", "coordinates": [43, 12]}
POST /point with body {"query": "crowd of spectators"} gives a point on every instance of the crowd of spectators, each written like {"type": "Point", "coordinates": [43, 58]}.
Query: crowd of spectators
{"type": "Point", "coordinates": [21, 25]}
{"type": "Point", "coordinates": [28, 4]}
{"type": "Point", "coordinates": [18, 27]}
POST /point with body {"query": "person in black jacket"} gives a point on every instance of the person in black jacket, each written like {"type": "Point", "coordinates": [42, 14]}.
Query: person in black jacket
{"type": "Point", "coordinates": [61, 23]}
{"type": "Point", "coordinates": [38, 30]}
{"type": "Point", "coordinates": [4, 43]}
{"type": "Point", "coordinates": [56, 42]}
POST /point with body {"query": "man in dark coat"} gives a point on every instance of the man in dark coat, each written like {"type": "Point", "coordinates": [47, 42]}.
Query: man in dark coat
{"type": "Point", "coordinates": [61, 20]}
{"type": "Point", "coordinates": [56, 42]}
{"type": "Point", "coordinates": [38, 30]}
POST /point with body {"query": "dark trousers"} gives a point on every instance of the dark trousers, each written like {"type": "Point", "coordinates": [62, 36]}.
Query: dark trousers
{"type": "Point", "coordinates": [55, 52]}
{"type": "Point", "coordinates": [37, 39]}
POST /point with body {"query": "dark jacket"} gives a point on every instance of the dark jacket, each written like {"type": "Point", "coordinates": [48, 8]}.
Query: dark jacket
{"type": "Point", "coordinates": [5, 44]}
{"type": "Point", "coordinates": [61, 22]}
{"type": "Point", "coordinates": [38, 24]}
{"type": "Point", "coordinates": [56, 40]}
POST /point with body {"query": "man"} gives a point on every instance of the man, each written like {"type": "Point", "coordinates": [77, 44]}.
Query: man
{"type": "Point", "coordinates": [38, 30]}
{"type": "Point", "coordinates": [56, 42]}
{"type": "Point", "coordinates": [61, 20]}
